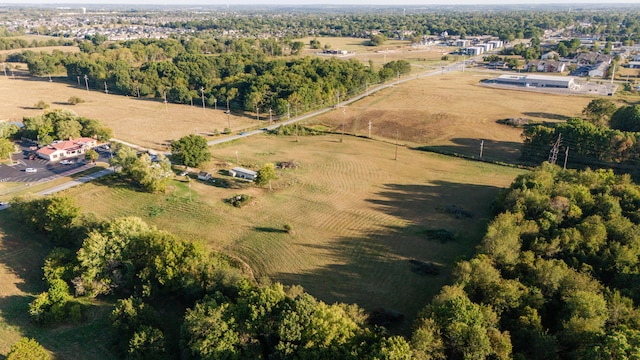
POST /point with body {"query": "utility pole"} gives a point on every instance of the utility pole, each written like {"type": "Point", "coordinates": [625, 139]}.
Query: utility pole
{"type": "Point", "coordinates": [396, 157]}
{"type": "Point", "coordinates": [270, 116]}
{"type": "Point", "coordinates": [215, 104]}
{"type": "Point", "coordinates": [5, 74]}
{"type": "Point", "coordinates": [481, 147]}
{"type": "Point", "coordinates": [369, 129]}
{"type": "Point", "coordinates": [202, 92]}
{"type": "Point", "coordinates": [288, 111]}
{"type": "Point", "coordinates": [237, 157]}
{"type": "Point", "coordinates": [106, 91]}
{"type": "Point", "coordinates": [164, 95]}
{"type": "Point", "coordinates": [553, 154]}
{"type": "Point", "coordinates": [344, 112]}
{"type": "Point", "coordinates": [86, 82]}
{"type": "Point", "coordinates": [257, 113]}
{"type": "Point", "coordinates": [566, 156]}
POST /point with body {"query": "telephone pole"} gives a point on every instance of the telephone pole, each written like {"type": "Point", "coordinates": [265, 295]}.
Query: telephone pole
{"type": "Point", "coordinates": [288, 111]}
{"type": "Point", "coordinates": [396, 157]}
{"type": "Point", "coordinates": [481, 148]}
{"type": "Point", "coordinates": [566, 156]}
{"type": "Point", "coordinates": [202, 92]}
{"type": "Point", "coordinates": [86, 82]}
{"type": "Point", "coordinates": [369, 129]}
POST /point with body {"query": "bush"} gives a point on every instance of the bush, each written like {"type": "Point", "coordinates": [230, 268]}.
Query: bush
{"type": "Point", "coordinates": [288, 228]}
{"type": "Point", "coordinates": [41, 105]}
{"type": "Point", "coordinates": [238, 200]}
{"type": "Point", "coordinates": [74, 100]}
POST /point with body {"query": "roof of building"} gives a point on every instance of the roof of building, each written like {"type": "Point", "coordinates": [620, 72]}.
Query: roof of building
{"type": "Point", "coordinates": [243, 170]}
{"type": "Point", "coordinates": [66, 145]}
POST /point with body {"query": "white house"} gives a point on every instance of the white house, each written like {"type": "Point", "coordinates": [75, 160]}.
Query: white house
{"type": "Point", "coordinates": [550, 55]}
{"type": "Point", "coordinates": [66, 149]}
{"type": "Point", "coordinates": [243, 173]}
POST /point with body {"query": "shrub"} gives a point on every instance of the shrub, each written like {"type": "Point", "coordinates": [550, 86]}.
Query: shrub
{"type": "Point", "coordinates": [41, 105]}
{"type": "Point", "coordinates": [74, 100]}
{"type": "Point", "coordinates": [238, 200]}
{"type": "Point", "coordinates": [288, 228]}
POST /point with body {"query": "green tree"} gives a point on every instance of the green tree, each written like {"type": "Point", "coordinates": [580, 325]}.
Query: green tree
{"type": "Point", "coordinates": [7, 147]}
{"type": "Point", "coordinates": [27, 349]}
{"type": "Point", "coordinates": [91, 155]}
{"type": "Point", "coordinates": [376, 40]}
{"type": "Point", "coordinates": [191, 150]}
{"type": "Point", "coordinates": [266, 174]}
{"type": "Point", "coordinates": [599, 111]}
{"type": "Point", "coordinates": [626, 118]}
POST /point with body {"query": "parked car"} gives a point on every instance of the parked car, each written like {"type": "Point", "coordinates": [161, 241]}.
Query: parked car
{"type": "Point", "coordinates": [66, 162]}
{"type": "Point", "coordinates": [30, 170]}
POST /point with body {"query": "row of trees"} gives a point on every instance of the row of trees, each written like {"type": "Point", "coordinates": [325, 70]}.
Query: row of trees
{"type": "Point", "coordinates": [224, 315]}
{"type": "Point", "coordinates": [556, 275]}
{"type": "Point", "coordinates": [62, 124]}
{"type": "Point", "coordinates": [244, 80]}
{"type": "Point", "coordinates": [608, 136]}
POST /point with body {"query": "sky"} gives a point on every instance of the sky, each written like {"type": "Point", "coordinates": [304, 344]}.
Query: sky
{"type": "Point", "coordinates": [317, 2]}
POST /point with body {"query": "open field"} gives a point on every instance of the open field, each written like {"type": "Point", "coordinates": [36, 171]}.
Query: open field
{"type": "Point", "coordinates": [422, 58]}
{"type": "Point", "coordinates": [148, 123]}
{"type": "Point", "coordinates": [358, 216]}
{"type": "Point", "coordinates": [453, 113]}
{"type": "Point", "coordinates": [48, 49]}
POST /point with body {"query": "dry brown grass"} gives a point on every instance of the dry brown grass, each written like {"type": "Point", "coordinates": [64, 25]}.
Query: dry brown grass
{"type": "Point", "coordinates": [358, 216]}
{"type": "Point", "coordinates": [47, 49]}
{"type": "Point", "coordinates": [454, 112]}
{"type": "Point", "coordinates": [391, 50]}
{"type": "Point", "coordinates": [148, 123]}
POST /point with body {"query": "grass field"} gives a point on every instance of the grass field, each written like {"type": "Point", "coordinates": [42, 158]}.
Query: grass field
{"type": "Point", "coordinates": [358, 216]}
{"type": "Point", "coordinates": [147, 123]}
{"type": "Point", "coordinates": [453, 113]}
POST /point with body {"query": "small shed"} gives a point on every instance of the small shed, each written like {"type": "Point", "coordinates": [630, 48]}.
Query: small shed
{"type": "Point", "coordinates": [243, 173]}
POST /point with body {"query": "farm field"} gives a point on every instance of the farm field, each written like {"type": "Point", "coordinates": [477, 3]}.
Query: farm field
{"type": "Point", "coordinates": [48, 49]}
{"type": "Point", "coordinates": [358, 216]}
{"type": "Point", "coordinates": [147, 123]}
{"type": "Point", "coordinates": [453, 113]}
{"type": "Point", "coordinates": [422, 58]}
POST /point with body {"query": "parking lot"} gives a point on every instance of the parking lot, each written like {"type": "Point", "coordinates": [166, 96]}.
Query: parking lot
{"type": "Point", "coordinates": [44, 169]}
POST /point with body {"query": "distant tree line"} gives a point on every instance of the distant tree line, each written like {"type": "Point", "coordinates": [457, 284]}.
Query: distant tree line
{"type": "Point", "coordinates": [508, 25]}
{"type": "Point", "coordinates": [10, 43]}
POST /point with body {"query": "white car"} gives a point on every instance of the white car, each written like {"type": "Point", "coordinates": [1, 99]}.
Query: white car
{"type": "Point", "coordinates": [30, 170]}
{"type": "Point", "coordinates": [66, 162]}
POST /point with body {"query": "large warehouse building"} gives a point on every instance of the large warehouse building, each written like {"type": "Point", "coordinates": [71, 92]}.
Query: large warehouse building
{"type": "Point", "coordinates": [564, 82]}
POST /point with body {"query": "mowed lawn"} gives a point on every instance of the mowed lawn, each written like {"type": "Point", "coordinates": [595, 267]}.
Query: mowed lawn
{"type": "Point", "coordinates": [454, 113]}
{"type": "Point", "coordinates": [145, 122]}
{"type": "Point", "coordinates": [358, 216]}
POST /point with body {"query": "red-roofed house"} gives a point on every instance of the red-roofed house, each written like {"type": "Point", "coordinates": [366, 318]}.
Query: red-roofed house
{"type": "Point", "coordinates": [66, 149]}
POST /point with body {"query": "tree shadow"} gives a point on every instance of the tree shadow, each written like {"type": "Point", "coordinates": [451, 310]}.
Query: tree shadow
{"type": "Point", "coordinates": [546, 115]}
{"type": "Point", "coordinates": [492, 150]}
{"type": "Point", "coordinates": [377, 268]}
{"type": "Point", "coordinates": [269, 229]}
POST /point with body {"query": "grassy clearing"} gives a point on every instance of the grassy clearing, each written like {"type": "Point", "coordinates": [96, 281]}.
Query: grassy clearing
{"type": "Point", "coordinates": [453, 113]}
{"type": "Point", "coordinates": [147, 123]}
{"type": "Point", "coordinates": [357, 215]}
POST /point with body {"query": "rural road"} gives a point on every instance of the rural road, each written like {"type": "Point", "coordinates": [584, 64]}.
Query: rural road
{"type": "Point", "coordinates": [449, 68]}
